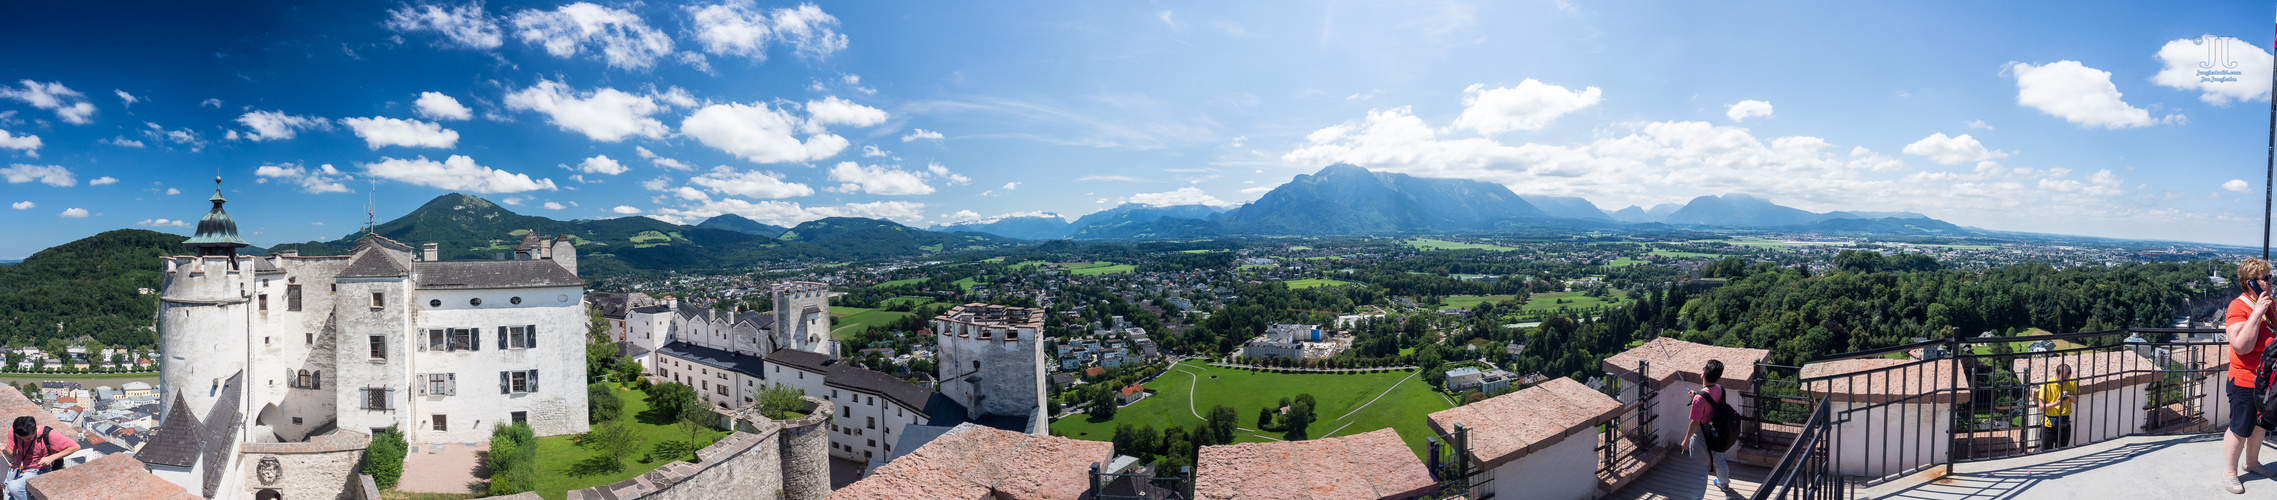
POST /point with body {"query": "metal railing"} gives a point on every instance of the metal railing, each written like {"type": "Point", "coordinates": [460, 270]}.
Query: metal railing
{"type": "Point", "coordinates": [1454, 470]}
{"type": "Point", "coordinates": [1806, 471]}
{"type": "Point", "coordinates": [1143, 485]}
{"type": "Point", "coordinates": [1625, 443]}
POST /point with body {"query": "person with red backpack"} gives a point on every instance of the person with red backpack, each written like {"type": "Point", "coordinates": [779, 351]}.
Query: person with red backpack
{"type": "Point", "coordinates": [1712, 424]}
{"type": "Point", "coordinates": [35, 449]}
{"type": "Point", "coordinates": [2249, 330]}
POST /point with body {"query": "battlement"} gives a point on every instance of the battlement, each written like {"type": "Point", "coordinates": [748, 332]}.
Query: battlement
{"type": "Point", "coordinates": [987, 321]}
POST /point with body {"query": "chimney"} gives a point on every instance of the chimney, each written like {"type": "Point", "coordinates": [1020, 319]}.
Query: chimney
{"type": "Point", "coordinates": [545, 247]}
{"type": "Point", "coordinates": [671, 302]}
{"type": "Point", "coordinates": [431, 254]}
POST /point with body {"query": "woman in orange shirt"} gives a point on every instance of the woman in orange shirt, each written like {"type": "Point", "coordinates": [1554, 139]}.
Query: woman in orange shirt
{"type": "Point", "coordinates": [2249, 329]}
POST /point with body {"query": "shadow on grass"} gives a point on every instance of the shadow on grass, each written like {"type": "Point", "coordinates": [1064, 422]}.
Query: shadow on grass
{"type": "Point", "coordinates": [596, 465]}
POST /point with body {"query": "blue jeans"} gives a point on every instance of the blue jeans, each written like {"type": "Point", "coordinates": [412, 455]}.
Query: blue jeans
{"type": "Point", "coordinates": [16, 480]}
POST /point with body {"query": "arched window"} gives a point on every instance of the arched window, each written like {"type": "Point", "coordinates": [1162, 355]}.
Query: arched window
{"type": "Point", "coordinates": [304, 380]}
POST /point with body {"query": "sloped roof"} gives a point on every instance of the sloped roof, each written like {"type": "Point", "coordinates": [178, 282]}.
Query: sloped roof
{"type": "Point", "coordinates": [111, 477]}
{"type": "Point", "coordinates": [175, 442]}
{"type": "Point", "coordinates": [976, 462]}
{"type": "Point", "coordinates": [371, 239]}
{"type": "Point", "coordinates": [715, 358]}
{"type": "Point", "coordinates": [811, 362]}
{"type": "Point", "coordinates": [1368, 465]}
{"type": "Point", "coordinates": [221, 425]}
{"type": "Point", "coordinates": [1670, 359]}
{"type": "Point", "coordinates": [847, 376]}
{"type": "Point", "coordinates": [372, 265]}
{"type": "Point", "coordinates": [1511, 426]}
{"type": "Point", "coordinates": [472, 274]}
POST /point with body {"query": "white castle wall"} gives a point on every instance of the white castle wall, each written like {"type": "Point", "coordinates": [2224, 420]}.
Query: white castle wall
{"type": "Point", "coordinates": [355, 321]}
{"type": "Point", "coordinates": [558, 407]}
{"type": "Point", "coordinates": [202, 310]}
{"type": "Point", "coordinates": [1010, 363]}
{"type": "Point", "coordinates": [286, 343]}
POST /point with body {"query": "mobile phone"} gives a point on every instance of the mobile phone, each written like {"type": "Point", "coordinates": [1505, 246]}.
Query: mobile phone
{"type": "Point", "coordinates": [2256, 286]}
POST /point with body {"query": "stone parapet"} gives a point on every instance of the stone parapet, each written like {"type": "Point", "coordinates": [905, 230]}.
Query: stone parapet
{"type": "Point", "coordinates": [761, 457]}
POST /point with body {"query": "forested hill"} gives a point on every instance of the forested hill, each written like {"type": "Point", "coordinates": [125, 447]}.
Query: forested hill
{"type": "Point", "coordinates": [90, 287]}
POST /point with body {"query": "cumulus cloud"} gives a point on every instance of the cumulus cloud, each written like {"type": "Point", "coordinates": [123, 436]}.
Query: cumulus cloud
{"type": "Point", "coordinates": [739, 28]}
{"type": "Point", "coordinates": [1529, 106]}
{"type": "Point", "coordinates": [601, 164]}
{"type": "Point", "coordinates": [275, 125]}
{"type": "Point", "coordinates": [2079, 94]}
{"type": "Point", "coordinates": [68, 105]}
{"type": "Point", "coordinates": [834, 111]}
{"type": "Point", "coordinates": [120, 141]}
{"type": "Point", "coordinates": [625, 209]}
{"type": "Point", "coordinates": [1010, 186]}
{"type": "Point", "coordinates": [1748, 109]}
{"type": "Point", "coordinates": [104, 180]}
{"type": "Point", "coordinates": [788, 213]}
{"type": "Point", "coordinates": [165, 223]}
{"type": "Point", "coordinates": [181, 137]}
{"type": "Point", "coordinates": [921, 134]}
{"type": "Point", "coordinates": [23, 205]}
{"type": "Point", "coordinates": [760, 133]}
{"type": "Point", "coordinates": [2222, 69]}
{"type": "Point", "coordinates": [607, 115]}
{"type": "Point", "coordinates": [620, 37]}
{"type": "Point", "coordinates": [553, 206]}
{"type": "Point", "coordinates": [1181, 196]}
{"type": "Point", "coordinates": [1952, 150]}
{"type": "Point", "coordinates": [323, 179]}
{"type": "Point", "coordinates": [878, 180]}
{"type": "Point", "coordinates": [461, 26]}
{"type": "Point", "coordinates": [379, 132]}
{"type": "Point", "coordinates": [126, 100]}
{"type": "Point", "coordinates": [53, 175]}
{"type": "Point", "coordinates": [750, 184]}
{"type": "Point", "coordinates": [944, 173]}
{"type": "Point", "coordinates": [661, 161]}
{"type": "Point", "coordinates": [172, 191]}
{"type": "Point", "coordinates": [1979, 125]}
{"type": "Point", "coordinates": [74, 213]}
{"type": "Point", "coordinates": [458, 173]}
{"type": "Point", "coordinates": [29, 144]}
{"type": "Point", "coordinates": [438, 106]}
{"type": "Point", "coordinates": [2237, 186]}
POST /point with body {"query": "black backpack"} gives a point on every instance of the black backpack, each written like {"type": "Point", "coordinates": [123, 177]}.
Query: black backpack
{"type": "Point", "coordinates": [2266, 399]}
{"type": "Point", "coordinates": [1722, 430]}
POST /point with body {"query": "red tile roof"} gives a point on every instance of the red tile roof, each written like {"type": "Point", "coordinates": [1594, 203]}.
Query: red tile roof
{"type": "Point", "coordinates": [974, 462]}
{"type": "Point", "coordinates": [1670, 357]}
{"type": "Point", "coordinates": [1369, 465]}
{"type": "Point", "coordinates": [112, 477]}
{"type": "Point", "coordinates": [1511, 426]}
{"type": "Point", "coordinates": [1878, 380]}
{"type": "Point", "coordinates": [1127, 391]}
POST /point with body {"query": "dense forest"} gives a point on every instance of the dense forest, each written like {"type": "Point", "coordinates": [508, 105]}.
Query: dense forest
{"type": "Point", "coordinates": [89, 287]}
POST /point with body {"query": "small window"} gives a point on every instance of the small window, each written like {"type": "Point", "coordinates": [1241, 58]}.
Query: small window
{"type": "Point", "coordinates": [521, 417]}
{"type": "Point", "coordinates": [303, 382]}
{"type": "Point", "coordinates": [292, 298]}
{"type": "Point", "coordinates": [474, 301]}
{"type": "Point", "coordinates": [379, 300]}
{"type": "Point", "coordinates": [873, 425]}
{"type": "Point", "coordinates": [442, 422]}
{"type": "Point", "coordinates": [434, 302]}
{"type": "Point", "coordinates": [309, 338]}
{"type": "Point", "coordinates": [379, 347]}
{"type": "Point", "coordinates": [296, 420]}
{"type": "Point", "coordinates": [515, 300]}
{"type": "Point", "coordinates": [264, 302]}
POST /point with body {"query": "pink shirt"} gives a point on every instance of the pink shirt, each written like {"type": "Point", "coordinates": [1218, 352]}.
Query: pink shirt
{"type": "Point", "coordinates": [1702, 412]}
{"type": "Point", "coordinates": [17, 448]}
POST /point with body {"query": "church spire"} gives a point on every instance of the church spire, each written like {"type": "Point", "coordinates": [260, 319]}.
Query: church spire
{"type": "Point", "coordinates": [217, 233]}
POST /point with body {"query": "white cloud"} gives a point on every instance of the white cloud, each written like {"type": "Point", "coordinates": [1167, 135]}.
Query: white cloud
{"type": "Point", "coordinates": [601, 164]}
{"type": "Point", "coordinates": [274, 125]}
{"type": "Point", "coordinates": [606, 115]}
{"type": "Point", "coordinates": [811, 33]}
{"type": "Point", "coordinates": [834, 111]}
{"type": "Point", "coordinates": [1529, 106]}
{"type": "Point", "coordinates": [172, 191]}
{"type": "Point", "coordinates": [1748, 109]}
{"type": "Point", "coordinates": [1116, 178]}
{"type": "Point", "coordinates": [126, 98]}
{"type": "Point", "coordinates": [29, 144]}
{"type": "Point", "coordinates": [752, 184]}
{"type": "Point", "coordinates": [689, 193]}
{"type": "Point", "coordinates": [2237, 185]}
{"type": "Point", "coordinates": [514, 200]}
{"type": "Point", "coordinates": [380, 132]}
{"type": "Point", "coordinates": [23, 205]}
{"type": "Point", "coordinates": [1010, 186]}
{"type": "Point", "coordinates": [553, 206]}
{"type": "Point", "coordinates": [1256, 190]}
{"type": "Point", "coordinates": [1952, 150]}
{"type": "Point", "coordinates": [120, 141]}
{"type": "Point", "coordinates": [438, 106]}
{"type": "Point", "coordinates": [165, 223]}
{"type": "Point", "coordinates": [53, 175]}
{"type": "Point", "coordinates": [2079, 94]}
{"type": "Point", "coordinates": [943, 172]}
{"type": "Point", "coordinates": [921, 134]}
{"type": "Point", "coordinates": [878, 180]}
{"type": "Point", "coordinates": [2222, 69]}
{"type": "Point", "coordinates": [1181, 196]}
{"type": "Point", "coordinates": [735, 28]}
{"type": "Point", "coordinates": [185, 137]}
{"type": "Point", "coordinates": [620, 37]}
{"type": "Point", "coordinates": [104, 180]}
{"type": "Point", "coordinates": [872, 151]}
{"type": "Point", "coordinates": [662, 161]}
{"type": "Point", "coordinates": [215, 103]}
{"type": "Point", "coordinates": [458, 173]}
{"type": "Point", "coordinates": [1979, 125]}
{"type": "Point", "coordinates": [323, 179]}
{"type": "Point", "coordinates": [625, 209]}
{"type": "Point", "coordinates": [74, 213]}
{"type": "Point", "coordinates": [787, 213]}
{"type": "Point", "coordinates": [68, 105]}
{"type": "Point", "coordinates": [759, 133]}
{"type": "Point", "coordinates": [463, 26]}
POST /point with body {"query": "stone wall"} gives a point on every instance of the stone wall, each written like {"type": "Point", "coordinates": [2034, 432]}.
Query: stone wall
{"type": "Point", "coordinates": [806, 453]}
{"type": "Point", "coordinates": [323, 467]}
{"type": "Point", "coordinates": [763, 459]}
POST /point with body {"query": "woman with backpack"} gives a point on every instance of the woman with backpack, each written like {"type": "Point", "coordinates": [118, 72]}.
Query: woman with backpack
{"type": "Point", "coordinates": [1696, 435]}
{"type": "Point", "coordinates": [35, 449]}
{"type": "Point", "coordinates": [2248, 328]}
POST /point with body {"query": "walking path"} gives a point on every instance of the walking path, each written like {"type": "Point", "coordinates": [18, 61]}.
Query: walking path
{"type": "Point", "coordinates": [453, 469]}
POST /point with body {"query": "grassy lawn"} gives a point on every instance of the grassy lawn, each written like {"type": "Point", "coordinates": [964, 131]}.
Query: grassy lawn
{"type": "Point", "coordinates": [1299, 248]}
{"type": "Point", "coordinates": [912, 301]}
{"type": "Point", "coordinates": [1471, 301]}
{"type": "Point", "coordinates": [993, 259]}
{"type": "Point", "coordinates": [1245, 267]}
{"type": "Point", "coordinates": [855, 319]}
{"type": "Point", "coordinates": [1196, 251]}
{"type": "Point", "coordinates": [1023, 266]}
{"type": "Point", "coordinates": [1099, 268]}
{"type": "Point", "coordinates": [906, 282]}
{"type": "Point", "coordinates": [1431, 244]}
{"type": "Point", "coordinates": [1246, 392]}
{"type": "Point", "coordinates": [557, 456]}
{"type": "Point", "coordinates": [1314, 283]}
{"type": "Point", "coordinates": [1548, 301]}
{"type": "Point", "coordinates": [1624, 262]}
{"type": "Point", "coordinates": [967, 283]}
{"type": "Point", "coordinates": [1683, 255]}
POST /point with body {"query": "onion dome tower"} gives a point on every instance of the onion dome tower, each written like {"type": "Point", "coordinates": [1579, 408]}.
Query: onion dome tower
{"type": "Point", "coordinates": [217, 233]}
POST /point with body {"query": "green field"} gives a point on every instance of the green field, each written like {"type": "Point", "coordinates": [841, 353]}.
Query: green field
{"type": "Point", "coordinates": [1196, 251]}
{"type": "Point", "coordinates": [1245, 267]}
{"type": "Point", "coordinates": [1027, 265]}
{"type": "Point", "coordinates": [1683, 255]}
{"type": "Point", "coordinates": [1099, 268]}
{"type": "Point", "coordinates": [966, 283]}
{"type": "Point", "coordinates": [856, 319]}
{"type": "Point", "coordinates": [993, 260]}
{"type": "Point", "coordinates": [1471, 301]}
{"type": "Point", "coordinates": [906, 282]}
{"type": "Point", "coordinates": [1299, 248]}
{"type": "Point", "coordinates": [558, 457]}
{"type": "Point", "coordinates": [1431, 244]}
{"type": "Point", "coordinates": [1624, 262]}
{"type": "Point", "coordinates": [1548, 301]}
{"type": "Point", "coordinates": [912, 301]}
{"type": "Point", "coordinates": [1314, 283]}
{"type": "Point", "coordinates": [650, 239]}
{"type": "Point", "coordinates": [1189, 389]}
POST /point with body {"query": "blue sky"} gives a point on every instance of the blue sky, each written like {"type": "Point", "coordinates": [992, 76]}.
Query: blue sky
{"type": "Point", "coordinates": [2080, 117]}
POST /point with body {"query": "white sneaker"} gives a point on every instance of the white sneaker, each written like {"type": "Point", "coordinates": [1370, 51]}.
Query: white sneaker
{"type": "Point", "coordinates": [2230, 483]}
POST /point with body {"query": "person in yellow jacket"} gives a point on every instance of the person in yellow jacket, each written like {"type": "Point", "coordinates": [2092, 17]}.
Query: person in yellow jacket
{"type": "Point", "coordinates": [2056, 398]}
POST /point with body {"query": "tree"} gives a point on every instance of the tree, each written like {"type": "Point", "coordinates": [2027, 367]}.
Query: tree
{"type": "Point", "coordinates": [1103, 405]}
{"type": "Point", "coordinates": [513, 459]}
{"type": "Point", "coordinates": [777, 402]}
{"type": "Point", "coordinates": [601, 403]}
{"type": "Point", "coordinates": [695, 418]}
{"type": "Point", "coordinates": [667, 399]}
{"type": "Point", "coordinates": [615, 441]}
{"type": "Point", "coordinates": [383, 459]}
{"type": "Point", "coordinates": [1220, 423]}
{"type": "Point", "coordinates": [599, 349]}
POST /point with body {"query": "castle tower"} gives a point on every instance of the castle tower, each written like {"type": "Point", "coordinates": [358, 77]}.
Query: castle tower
{"type": "Point", "coordinates": [992, 361]}
{"type": "Point", "coordinates": [204, 312]}
{"type": "Point", "coordinates": [802, 317]}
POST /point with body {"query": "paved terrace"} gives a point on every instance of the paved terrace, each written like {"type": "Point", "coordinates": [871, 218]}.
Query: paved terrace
{"type": "Point", "coordinates": [2142, 467]}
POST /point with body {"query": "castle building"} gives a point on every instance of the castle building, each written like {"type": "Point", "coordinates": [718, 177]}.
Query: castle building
{"type": "Point", "coordinates": [992, 362]}
{"type": "Point", "coordinates": [291, 349]}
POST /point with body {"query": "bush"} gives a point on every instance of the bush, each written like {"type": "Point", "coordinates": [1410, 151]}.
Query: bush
{"type": "Point", "coordinates": [602, 403]}
{"type": "Point", "coordinates": [384, 459]}
{"type": "Point", "coordinates": [513, 459]}
{"type": "Point", "coordinates": [779, 401]}
{"type": "Point", "coordinates": [667, 399]}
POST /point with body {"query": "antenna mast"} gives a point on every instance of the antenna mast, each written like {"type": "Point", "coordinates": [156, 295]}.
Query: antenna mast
{"type": "Point", "coordinates": [371, 199]}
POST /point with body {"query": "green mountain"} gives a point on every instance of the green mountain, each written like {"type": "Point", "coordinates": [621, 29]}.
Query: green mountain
{"type": "Point", "coordinates": [858, 238]}
{"type": "Point", "coordinates": [1343, 199]}
{"type": "Point", "coordinates": [740, 224]}
{"type": "Point", "coordinates": [90, 287]}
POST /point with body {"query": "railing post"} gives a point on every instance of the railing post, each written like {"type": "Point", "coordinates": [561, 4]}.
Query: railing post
{"type": "Point", "coordinates": [1094, 476]}
{"type": "Point", "coordinates": [1953, 413]}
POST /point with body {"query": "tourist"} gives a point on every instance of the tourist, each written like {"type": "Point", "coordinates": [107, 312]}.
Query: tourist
{"type": "Point", "coordinates": [2249, 331]}
{"type": "Point", "coordinates": [35, 450]}
{"type": "Point", "coordinates": [2056, 397]}
{"type": "Point", "coordinates": [1703, 414]}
